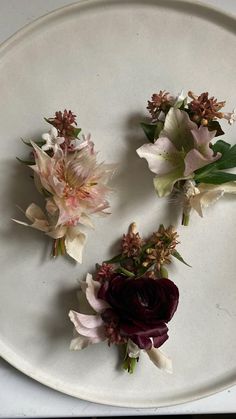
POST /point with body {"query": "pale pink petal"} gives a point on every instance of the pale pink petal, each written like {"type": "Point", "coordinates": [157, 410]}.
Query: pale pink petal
{"type": "Point", "coordinates": [81, 327]}
{"type": "Point", "coordinates": [160, 360]}
{"type": "Point", "coordinates": [195, 160]}
{"type": "Point", "coordinates": [37, 217]}
{"type": "Point", "coordinates": [57, 232]}
{"type": "Point", "coordinates": [42, 159]}
{"type": "Point", "coordinates": [75, 245]}
{"type": "Point", "coordinates": [202, 138]}
{"type": "Point", "coordinates": [97, 304]}
{"type": "Point", "coordinates": [34, 212]}
{"type": "Point", "coordinates": [162, 156]}
{"type": "Point", "coordinates": [86, 220]}
{"type": "Point", "coordinates": [89, 321]}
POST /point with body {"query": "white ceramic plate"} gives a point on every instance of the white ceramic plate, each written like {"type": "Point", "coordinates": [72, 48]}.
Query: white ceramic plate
{"type": "Point", "coordinates": [103, 60]}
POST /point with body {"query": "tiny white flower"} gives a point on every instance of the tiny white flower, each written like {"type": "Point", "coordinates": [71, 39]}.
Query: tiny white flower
{"type": "Point", "coordinates": [230, 116]}
{"type": "Point", "coordinates": [52, 140]}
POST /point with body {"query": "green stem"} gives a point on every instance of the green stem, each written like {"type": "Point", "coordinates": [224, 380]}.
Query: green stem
{"type": "Point", "coordinates": [129, 364]}
{"type": "Point", "coordinates": [163, 272]}
{"type": "Point", "coordinates": [185, 219]}
{"type": "Point", "coordinates": [63, 247]}
{"type": "Point", "coordinates": [55, 248]}
{"type": "Point", "coordinates": [125, 272]}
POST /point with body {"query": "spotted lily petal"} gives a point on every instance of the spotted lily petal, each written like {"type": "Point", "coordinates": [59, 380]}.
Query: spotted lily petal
{"type": "Point", "coordinates": [162, 156]}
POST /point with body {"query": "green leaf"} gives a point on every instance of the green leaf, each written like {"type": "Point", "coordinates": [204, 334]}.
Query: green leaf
{"type": "Point", "coordinates": [149, 130]}
{"type": "Point", "coordinates": [39, 143]}
{"type": "Point", "coordinates": [179, 257]}
{"type": "Point", "coordinates": [152, 131]}
{"type": "Point", "coordinates": [215, 126]}
{"type": "Point", "coordinates": [159, 128]}
{"type": "Point", "coordinates": [49, 121]}
{"type": "Point", "coordinates": [76, 132]}
{"type": "Point", "coordinates": [221, 147]}
{"type": "Point", "coordinates": [26, 142]}
{"type": "Point", "coordinates": [228, 160]}
{"type": "Point", "coordinates": [26, 162]}
{"type": "Point", "coordinates": [217, 178]}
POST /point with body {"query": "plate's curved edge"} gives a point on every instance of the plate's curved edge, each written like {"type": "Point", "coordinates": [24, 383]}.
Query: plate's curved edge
{"type": "Point", "coordinates": [20, 33]}
{"type": "Point", "coordinates": [8, 354]}
{"type": "Point", "coordinates": [32, 373]}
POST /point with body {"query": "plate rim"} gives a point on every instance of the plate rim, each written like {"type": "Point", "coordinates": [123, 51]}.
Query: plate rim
{"type": "Point", "coordinates": [6, 352]}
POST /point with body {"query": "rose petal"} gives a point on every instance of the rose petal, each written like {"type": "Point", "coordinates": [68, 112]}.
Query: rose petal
{"type": "Point", "coordinates": [159, 340]}
{"type": "Point", "coordinates": [142, 342]}
{"type": "Point", "coordinates": [160, 360]}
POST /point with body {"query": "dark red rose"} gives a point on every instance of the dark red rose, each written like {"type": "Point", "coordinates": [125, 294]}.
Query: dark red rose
{"type": "Point", "coordinates": [142, 307]}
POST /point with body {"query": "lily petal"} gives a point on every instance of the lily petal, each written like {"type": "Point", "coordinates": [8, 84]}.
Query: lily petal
{"type": "Point", "coordinates": [164, 184]}
{"type": "Point", "coordinates": [195, 160]}
{"type": "Point", "coordinates": [178, 128]}
{"type": "Point", "coordinates": [162, 156]}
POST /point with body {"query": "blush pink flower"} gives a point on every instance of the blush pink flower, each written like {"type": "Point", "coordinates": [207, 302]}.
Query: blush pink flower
{"type": "Point", "coordinates": [76, 184]}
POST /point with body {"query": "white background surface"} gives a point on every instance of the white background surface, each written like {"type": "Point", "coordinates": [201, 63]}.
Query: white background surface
{"type": "Point", "coordinates": [21, 396]}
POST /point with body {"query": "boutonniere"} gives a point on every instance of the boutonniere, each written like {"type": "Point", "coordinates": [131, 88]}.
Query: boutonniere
{"type": "Point", "coordinates": [131, 299]}
{"type": "Point", "coordinates": [189, 162]}
{"type": "Point", "coordinates": [74, 184]}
